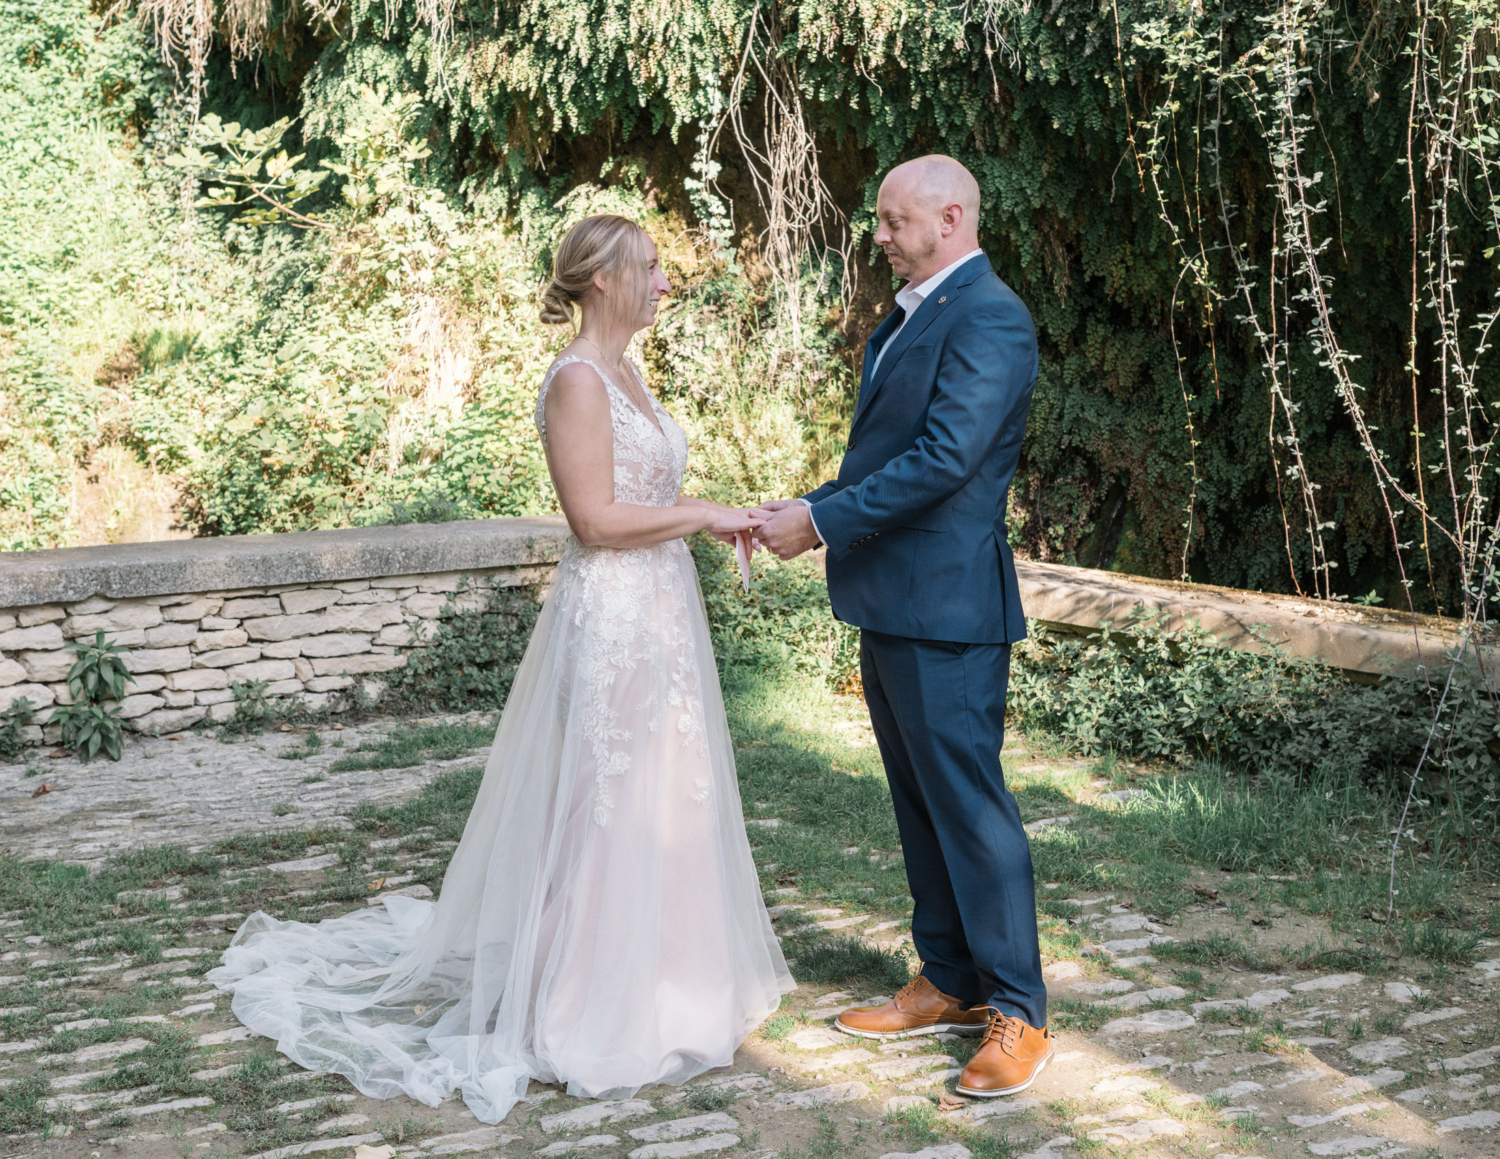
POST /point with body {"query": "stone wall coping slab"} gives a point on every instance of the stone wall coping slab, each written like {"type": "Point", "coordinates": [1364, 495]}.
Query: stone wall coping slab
{"type": "Point", "coordinates": [238, 562]}
{"type": "Point", "coordinates": [1348, 636]}
{"type": "Point", "coordinates": [419, 564]}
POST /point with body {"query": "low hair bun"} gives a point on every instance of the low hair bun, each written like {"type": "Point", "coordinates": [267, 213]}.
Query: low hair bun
{"type": "Point", "coordinates": [557, 306]}
{"type": "Point", "coordinates": [604, 243]}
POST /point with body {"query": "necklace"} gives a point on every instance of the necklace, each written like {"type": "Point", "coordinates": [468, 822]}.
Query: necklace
{"type": "Point", "coordinates": [636, 392]}
{"type": "Point", "coordinates": [618, 368]}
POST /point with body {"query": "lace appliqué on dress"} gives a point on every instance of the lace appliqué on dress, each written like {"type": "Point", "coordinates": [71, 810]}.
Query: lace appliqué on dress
{"type": "Point", "coordinates": [620, 593]}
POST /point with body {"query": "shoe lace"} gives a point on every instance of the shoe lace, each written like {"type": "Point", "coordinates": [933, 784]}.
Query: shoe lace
{"type": "Point", "coordinates": [908, 990]}
{"type": "Point", "coordinates": [1004, 1030]}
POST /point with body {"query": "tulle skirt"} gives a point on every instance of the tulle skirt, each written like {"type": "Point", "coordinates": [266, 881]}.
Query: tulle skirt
{"type": "Point", "coordinates": [601, 922]}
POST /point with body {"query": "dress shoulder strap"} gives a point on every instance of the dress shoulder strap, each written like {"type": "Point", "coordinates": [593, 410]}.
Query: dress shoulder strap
{"type": "Point", "coordinates": [558, 364]}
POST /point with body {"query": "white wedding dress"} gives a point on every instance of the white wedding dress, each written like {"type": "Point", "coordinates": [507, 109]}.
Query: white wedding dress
{"type": "Point", "coordinates": [601, 921]}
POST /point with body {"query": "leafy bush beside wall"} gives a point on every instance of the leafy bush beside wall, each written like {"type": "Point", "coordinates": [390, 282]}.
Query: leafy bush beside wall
{"type": "Point", "coordinates": [1142, 690]}
{"type": "Point", "coordinates": [476, 644]}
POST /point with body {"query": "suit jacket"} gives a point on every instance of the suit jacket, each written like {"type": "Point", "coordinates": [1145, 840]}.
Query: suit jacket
{"type": "Point", "coordinates": [915, 521]}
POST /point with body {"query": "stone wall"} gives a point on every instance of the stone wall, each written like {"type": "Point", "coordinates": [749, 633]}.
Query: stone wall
{"type": "Point", "coordinates": [1363, 641]}
{"type": "Point", "coordinates": [344, 624]}
{"type": "Point", "coordinates": [312, 613]}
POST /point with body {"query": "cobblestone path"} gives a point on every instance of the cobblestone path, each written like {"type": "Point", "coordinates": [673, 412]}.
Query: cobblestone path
{"type": "Point", "coordinates": [190, 789]}
{"type": "Point", "coordinates": [1360, 1066]}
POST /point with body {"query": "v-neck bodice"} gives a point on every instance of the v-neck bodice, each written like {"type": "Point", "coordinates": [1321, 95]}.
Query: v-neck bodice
{"type": "Point", "coordinates": [649, 457]}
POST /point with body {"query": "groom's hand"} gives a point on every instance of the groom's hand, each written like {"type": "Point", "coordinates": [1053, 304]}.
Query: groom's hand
{"type": "Point", "coordinates": [789, 531]}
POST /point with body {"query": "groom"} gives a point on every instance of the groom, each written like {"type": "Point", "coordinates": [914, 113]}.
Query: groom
{"type": "Point", "coordinates": [917, 557]}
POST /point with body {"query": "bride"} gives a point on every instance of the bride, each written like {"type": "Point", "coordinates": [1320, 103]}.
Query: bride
{"type": "Point", "coordinates": [601, 922]}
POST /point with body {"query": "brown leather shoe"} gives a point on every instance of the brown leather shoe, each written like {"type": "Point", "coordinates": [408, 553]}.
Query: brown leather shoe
{"type": "Point", "coordinates": [1008, 1060]}
{"type": "Point", "coordinates": [920, 1008]}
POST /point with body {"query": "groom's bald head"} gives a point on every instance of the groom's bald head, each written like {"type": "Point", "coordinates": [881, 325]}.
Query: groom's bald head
{"type": "Point", "coordinates": [937, 182]}
{"type": "Point", "coordinates": [929, 215]}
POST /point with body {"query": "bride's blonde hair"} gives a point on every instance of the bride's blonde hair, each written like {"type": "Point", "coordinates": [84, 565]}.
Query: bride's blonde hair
{"type": "Point", "coordinates": [604, 243]}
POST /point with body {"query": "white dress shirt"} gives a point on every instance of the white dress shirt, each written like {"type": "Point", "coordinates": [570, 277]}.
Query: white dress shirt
{"type": "Point", "coordinates": [909, 298]}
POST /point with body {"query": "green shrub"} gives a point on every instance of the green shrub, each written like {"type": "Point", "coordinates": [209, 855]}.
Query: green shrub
{"type": "Point", "coordinates": [1149, 691]}
{"type": "Point", "coordinates": [1385, 728]}
{"type": "Point", "coordinates": [252, 710]}
{"type": "Point", "coordinates": [97, 675]}
{"type": "Point", "coordinates": [99, 672]}
{"type": "Point", "coordinates": [88, 728]}
{"type": "Point", "coordinates": [478, 640]}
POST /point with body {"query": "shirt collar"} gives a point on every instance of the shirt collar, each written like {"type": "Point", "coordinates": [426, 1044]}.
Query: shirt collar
{"type": "Point", "coordinates": [909, 297]}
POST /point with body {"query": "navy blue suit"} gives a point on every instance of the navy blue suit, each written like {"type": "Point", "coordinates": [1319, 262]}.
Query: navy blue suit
{"type": "Point", "coordinates": [918, 559]}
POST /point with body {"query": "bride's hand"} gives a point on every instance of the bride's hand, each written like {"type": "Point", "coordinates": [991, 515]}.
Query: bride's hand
{"type": "Point", "coordinates": [724, 522]}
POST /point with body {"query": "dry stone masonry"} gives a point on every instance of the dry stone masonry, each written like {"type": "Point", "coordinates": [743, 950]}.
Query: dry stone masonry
{"type": "Point", "coordinates": [345, 623]}
{"type": "Point", "coordinates": [311, 614]}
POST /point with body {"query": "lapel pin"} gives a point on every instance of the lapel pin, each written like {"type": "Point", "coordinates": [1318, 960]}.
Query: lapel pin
{"type": "Point", "coordinates": [943, 299]}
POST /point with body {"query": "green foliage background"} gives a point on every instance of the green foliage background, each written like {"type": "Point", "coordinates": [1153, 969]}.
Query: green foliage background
{"type": "Point", "coordinates": [294, 378]}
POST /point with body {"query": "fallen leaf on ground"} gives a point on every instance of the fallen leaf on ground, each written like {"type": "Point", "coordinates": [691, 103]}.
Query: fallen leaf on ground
{"type": "Point", "coordinates": [374, 885]}
{"type": "Point", "coordinates": [58, 754]}
{"type": "Point", "coordinates": [949, 1103]}
{"type": "Point", "coordinates": [1204, 891]}
{"type": "Point", "coordinates": [40, 789]}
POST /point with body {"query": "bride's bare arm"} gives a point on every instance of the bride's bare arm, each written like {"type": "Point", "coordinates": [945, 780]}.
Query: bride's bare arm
{"type": "Point", "coordinates": [580, 455]}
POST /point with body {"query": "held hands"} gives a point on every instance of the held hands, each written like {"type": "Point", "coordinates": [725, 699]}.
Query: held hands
{"type": "Point", "coordinates": [724, 522]}
{"type": "Point", "coordinates": [786, 528]}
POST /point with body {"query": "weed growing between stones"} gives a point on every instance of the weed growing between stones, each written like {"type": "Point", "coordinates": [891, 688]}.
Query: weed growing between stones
{"type": "Point", "coordinates": [912, 1128]}
{"type": "Point", "coordinates": [14, 718]}
{"type": "Point", "coordinates": [311, 745]}
{"type": "Point", "coordinates": [1072, 1014]}
{"type": "Point", "coordinates": [829, 1141]}
{"type": "Point", "coordinates": [708, 1099]}
{"type": "Point", "coordinates": [20, 1103]}
{"type": "Point", "coordinates": [96, 685]}
{"type": "Point", "coordinates": [992, 1147]}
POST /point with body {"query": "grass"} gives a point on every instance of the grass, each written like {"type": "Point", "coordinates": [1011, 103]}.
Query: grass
{"type": "Point", "coordinates": [912, 1128]}
{"type": "Point", "coordinates": [843, 961]}
{"type": "Point", "coordinates": [405, 747]}
{"type": "Point", "coordinates": [1072, 1014]}
{"type": "Point", "coordinates": [830, 1142]}
{"type": "Point", "coordinates": [705, 1099]}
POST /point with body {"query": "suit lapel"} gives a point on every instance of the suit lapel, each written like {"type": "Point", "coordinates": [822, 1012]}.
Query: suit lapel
{"type": "Point", "coordinates": [878, 339]}
{"type": "Point", "coordinates": [942, 298]}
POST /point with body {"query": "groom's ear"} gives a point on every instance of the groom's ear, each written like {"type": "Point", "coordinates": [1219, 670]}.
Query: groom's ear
{"type": "Point", "coordinates": [953, 218]}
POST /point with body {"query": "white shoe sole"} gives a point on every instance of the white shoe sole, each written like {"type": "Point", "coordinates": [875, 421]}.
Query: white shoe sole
{"type": "Point", "coordinates": [1036, 1070]}
{"type": "Point", "coordinates": [935, 1028]}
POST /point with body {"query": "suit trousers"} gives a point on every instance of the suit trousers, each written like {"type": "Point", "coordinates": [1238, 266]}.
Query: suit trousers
{"type": "Point", "coordinates": [938, 710]}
